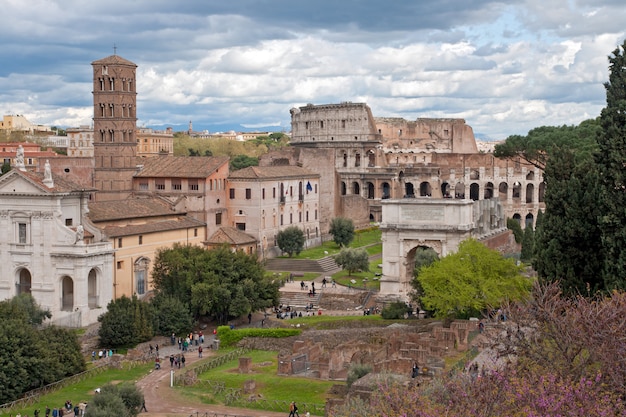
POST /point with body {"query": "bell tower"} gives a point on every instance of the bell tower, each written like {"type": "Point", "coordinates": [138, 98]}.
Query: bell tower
{"type": "Point", "coordinates": [114, 125]}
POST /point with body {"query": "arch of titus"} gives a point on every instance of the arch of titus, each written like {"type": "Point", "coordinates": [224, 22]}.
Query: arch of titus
{"type": "Point", "coordinates": [437, 223]}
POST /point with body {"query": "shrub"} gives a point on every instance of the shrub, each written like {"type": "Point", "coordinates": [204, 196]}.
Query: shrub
{"type": "Point", "coordinates": [230, 337]}
{"type": "Point", "coordinates": [357, 371]}
{"type": "Point", "coordinates": [395, 311]}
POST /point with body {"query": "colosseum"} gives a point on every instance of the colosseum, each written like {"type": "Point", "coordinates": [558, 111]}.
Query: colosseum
{"type": "Point", "coordinates": [364, 159]}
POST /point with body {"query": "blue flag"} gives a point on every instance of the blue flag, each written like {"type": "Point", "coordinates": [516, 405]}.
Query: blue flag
{"type": "Point", "coordinates": [309, 187]}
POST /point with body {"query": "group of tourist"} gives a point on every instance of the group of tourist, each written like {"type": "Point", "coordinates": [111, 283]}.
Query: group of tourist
{"type": "Point", "coordinates": [104, 353]}
{"type": "Point", "coordinates": [67, 410]}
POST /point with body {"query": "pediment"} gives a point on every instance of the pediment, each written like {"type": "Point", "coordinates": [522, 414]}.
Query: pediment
{"type": "Point", "coordinates": [14, 183]}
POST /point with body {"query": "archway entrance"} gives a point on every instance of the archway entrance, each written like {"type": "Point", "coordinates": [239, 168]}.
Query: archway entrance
{"type": "Point", "coordinates": [25, 282]}
{"type": "Point", "coordinates": [67, 293]}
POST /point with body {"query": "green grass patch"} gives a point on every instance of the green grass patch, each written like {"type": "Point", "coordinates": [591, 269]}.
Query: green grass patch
{"type": "Point", "coordinates": [284, 276]}
{"type": "Point", "coordinates": [362, 238]}
{"type": "Point", "coordinates": [83, 391]}
{"type": "Point", "coordinates": [363, 280]}
{"type": "Point", "coordinates": [230, 337]}
{"type": "Point", "coordinates": [268, 384]}
{"type": "Point", "coordinates": [324, 322]}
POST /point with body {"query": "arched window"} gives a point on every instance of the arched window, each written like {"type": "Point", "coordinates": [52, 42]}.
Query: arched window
{"type": "Point", "coordinates": [386, 190]}
{"type": "Point", "coordinates": [370, 190]}
{"type": "Point", "coordinates": [459, 190]}
{"type": "Point", "coordinates": [356, 188]}
{"type": "Point", "coordinates": [25, 282]}
{"type": "Point", "coordinates": [445, 190]}
{"type": "Point", "coordinates": [67, 294]}
{"type": "Point", "coordinates": [530, 190]}
{"type": "Point", "coordinates": [343, 188]}
{"type": "Point", "coordinates": [529, 220]}
{"type": "Point", "coordinates": [425, 189]}
{"type": "Point", "coordinates": [92, 289]}
{"type": "Point", "coordinates": [357, 160]}
{"type": "Point", "coordinates": [474, 191]}
{"type": "Point", "coordinates": [409, 190]}
{"type": "Point", "coordinates": [517, 190]}
{"type": "Point", "coordinates": [141, 275]}
{"type": "Point", "coordinates": [503, 191]}
{"type": "Point", "coordinates": [542, 192]}
{"type": "Point", "coordinates": [488, 193]}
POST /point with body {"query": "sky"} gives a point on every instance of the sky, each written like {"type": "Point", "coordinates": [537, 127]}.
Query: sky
{"type": "Point", "coordinates": [504, 66]}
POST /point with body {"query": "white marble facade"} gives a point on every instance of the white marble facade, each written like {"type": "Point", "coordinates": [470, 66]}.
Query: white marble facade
{"type": "Point", "coordinates": [49, 249]}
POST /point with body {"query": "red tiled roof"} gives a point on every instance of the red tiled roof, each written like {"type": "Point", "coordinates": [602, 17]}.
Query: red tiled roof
{"type": "Point", "coordinates": [272, 172]}
{"type": "Point", "coordinates": [60, 185]}
{"type": "Point", "coordinates": [129, 209]}
{"type": "Point", "coordinates": [231, 236]}
{"type": "Point", "coordinates": [113, 60]}
{"type": "Point", "coordinates": [183, 222]}
{"type": "Point", "coordinates": [181, 166]}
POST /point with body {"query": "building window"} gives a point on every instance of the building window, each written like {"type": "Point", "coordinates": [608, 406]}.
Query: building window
{"type": "Point", "coordinates": [119, 242]}
{"type": "Point", "coordinates": [218, 218]}
{"type": "Point", "coordinates": [159, 184]}
{"type": "Point", "coordinates": [315, 214]}
{"type": "Point", "coordinates": [248, 193]}
{"type": "Point", "coordinates": [281, 219]}
{"type": "Point", "coordinates": [193, 185]}
{"type": "Point", "coordinates": [140, 240]}
{"type": "Point", "coordinates": [307, 216]}
{"type": "Point", "coordinates": [300, 217]}
{"type": "Point", "coordinates": [231, 193]}
{"type": "Point", "coordinates": [143, 185]}
{"type": "Point", "coordinates": [141, 272]}
{"type": "Point", "coordinates": [273, 192]}
{"type": "Point", "coordinates": [290, 218]}
{"type": "Point", "coordinates": [21, 232]}
{"type": "Point", "coordinates": [177, 185]}
{"type": "Point", "coordinates": [68, 222]}
{"type": "Point", "coordinates": [240, 226]}
{"type": "Point", "coordinates": [263, 193]}
{"type": "Point", "coordinates": [120, 264]}
{"type": "Point", "coordinates": [195, 232]}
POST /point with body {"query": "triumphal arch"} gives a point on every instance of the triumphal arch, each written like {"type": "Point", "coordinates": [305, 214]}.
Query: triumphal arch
{"type": "Point", "coordinates": [437, 223]}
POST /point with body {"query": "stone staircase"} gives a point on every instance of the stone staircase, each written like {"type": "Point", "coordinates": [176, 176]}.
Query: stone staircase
{"type": "Point", "coordinates": [321, 266]}
{"type": "Point", "coordinates": [300, 300]}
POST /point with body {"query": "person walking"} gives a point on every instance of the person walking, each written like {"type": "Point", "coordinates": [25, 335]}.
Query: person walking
{"type": "Point", "coordinates": [200, 351]}
{"type": "Point", "coordinates": [143, 406]}
{"type": "Point", "coordinates": [293, 410]}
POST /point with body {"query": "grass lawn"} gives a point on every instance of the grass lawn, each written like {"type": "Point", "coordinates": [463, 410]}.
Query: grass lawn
{"type": "Point", "coordinates": [333, 322]}
{"type": "Point", "coordinates": [272, 387]}
{"type": "Point", "coordinates": [364, 238]}
{"type": "Point", "coordinates": [371, 280]}
{"type": "Point", "coordinates": [82, 391]}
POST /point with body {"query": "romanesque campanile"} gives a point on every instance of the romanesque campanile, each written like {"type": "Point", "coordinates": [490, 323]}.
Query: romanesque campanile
{"type": "Point", "coordinates": [114, 123]}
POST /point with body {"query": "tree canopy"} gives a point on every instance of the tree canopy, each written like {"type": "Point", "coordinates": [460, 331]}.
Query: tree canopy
{"type": "Point", "coordinates": [290, 240]}
{"type": "Point", "coordinates": [342, 230]}
{"type": "Point", "coordinates": [127, 322]}
{"type": "Point", "coordinates": [29, 355]}
{"type": "Point", "coordinates": [612, 172]}
{"type": "Point", "coordinates": [353, 260]}
{"type": "Point", "coordinates": [472, 280]}
{"type": "Point", "coordinates": [541, 142]}
{"type": "Point", "coordinates": [218, 282]}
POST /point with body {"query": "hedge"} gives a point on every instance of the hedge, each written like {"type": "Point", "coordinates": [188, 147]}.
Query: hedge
{"type": "Point", "coordinates": [230, 337]}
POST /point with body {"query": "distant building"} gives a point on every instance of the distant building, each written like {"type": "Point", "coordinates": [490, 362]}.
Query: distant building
{"type": "Point", "coordinates": [152, 142]}
{"type": "Point", "coordinates": [137, 228]}
{"type": "Point", "coordinates": [34, 157]}
{"type": "Point", "coordinates": [19, 123]}
{"type": "Point", "coordinates": [80, 141]}
{"type": "Point", "coordinates": [265, 200]}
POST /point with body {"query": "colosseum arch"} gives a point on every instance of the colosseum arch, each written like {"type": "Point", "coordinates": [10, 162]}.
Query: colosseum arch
{"type": "Point", "coordinates": [385, 190]}
{"type": "Point", "coordinates": [370, 190]}
{"type": "Point", "coordinates": [488, 193]}
{"type": "Point", "coordinates": [503, 191]}
{"type": "Point", "coordinates": [425, 189]}
{"type": "Point", "coordinates": [445, 190]}
{"type": "Point", "coordinates": [474, 191]}
{"type": "Point", "coordinates": [530, 191]}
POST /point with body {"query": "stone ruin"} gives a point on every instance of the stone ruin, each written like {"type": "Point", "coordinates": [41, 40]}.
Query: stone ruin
{"type": "Point", "coordinates": [395, 349]}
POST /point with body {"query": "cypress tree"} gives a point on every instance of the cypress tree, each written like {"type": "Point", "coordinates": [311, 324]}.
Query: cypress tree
{"type": "Point", "coordinates": [611, 161]}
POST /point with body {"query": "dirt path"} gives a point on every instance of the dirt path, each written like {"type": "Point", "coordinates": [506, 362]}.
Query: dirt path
{"type": "Point", "coordinates": [163, 401]}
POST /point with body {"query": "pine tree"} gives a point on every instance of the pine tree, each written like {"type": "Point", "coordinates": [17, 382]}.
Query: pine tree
{"type": "Point", "coordinates": [611, 160]}
{"type": "Point", "coordinates": [528, 243]}
{"type": "Point", "coordinates": [567, 237]}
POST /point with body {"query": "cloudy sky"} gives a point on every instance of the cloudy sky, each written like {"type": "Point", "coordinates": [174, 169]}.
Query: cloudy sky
{"type": "Point", "coordinates": [503, 66]}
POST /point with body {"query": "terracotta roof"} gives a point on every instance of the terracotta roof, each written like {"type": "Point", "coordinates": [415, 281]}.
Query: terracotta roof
{"type": "Point", "coordinates": [230, 235]}
{"type": "Point", "coordinates": [181, 166]}
{"type": "Point", "coordinates": [128, 209]}
{"type": "Point", "coordinates": [183, 222]}
{"type": "Point", "coordinates": [61, 185]}
{"type": "Point", "coordinates": [271, 172]}
{"type": "Point", "coordinates": [113, 60]}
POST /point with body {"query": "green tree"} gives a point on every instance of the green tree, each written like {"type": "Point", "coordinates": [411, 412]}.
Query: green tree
{"type": "Point", "coordinates": [514, 226]}
{"type": "Point", "coordinates": [218, 282]}
{"type": "Point", "coordinates": [127, 322]}
{"type": "Point", "coordinates": [171, 315]}
{"type": "Point", "coordinates": [243, 161]}
{"type": "Point", "coordinates": [568, 237]}
{"type": "Point", "coordinates": [353, 260]}
{"type": "Point", "coordinates": [6, 167]}
{"type": "Point", "coordinates": [424, 257]}
{"type": "Point", "coordinates": [612, 172]}
{"type": "Point", "coordinates": [470, 281]}
{"type": "Point", "coordinates": [290, 240]}
{"type": "Point", "coordinates": [528, 244]}
{"type": "Point", "coordinates": [29, 356]}
{"type": "Point", "coordinates": [116, 400]}
{"type": "Point", "coordinates": [540, 144]}
{"type": "Point", "coordinates": [342, 230]}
